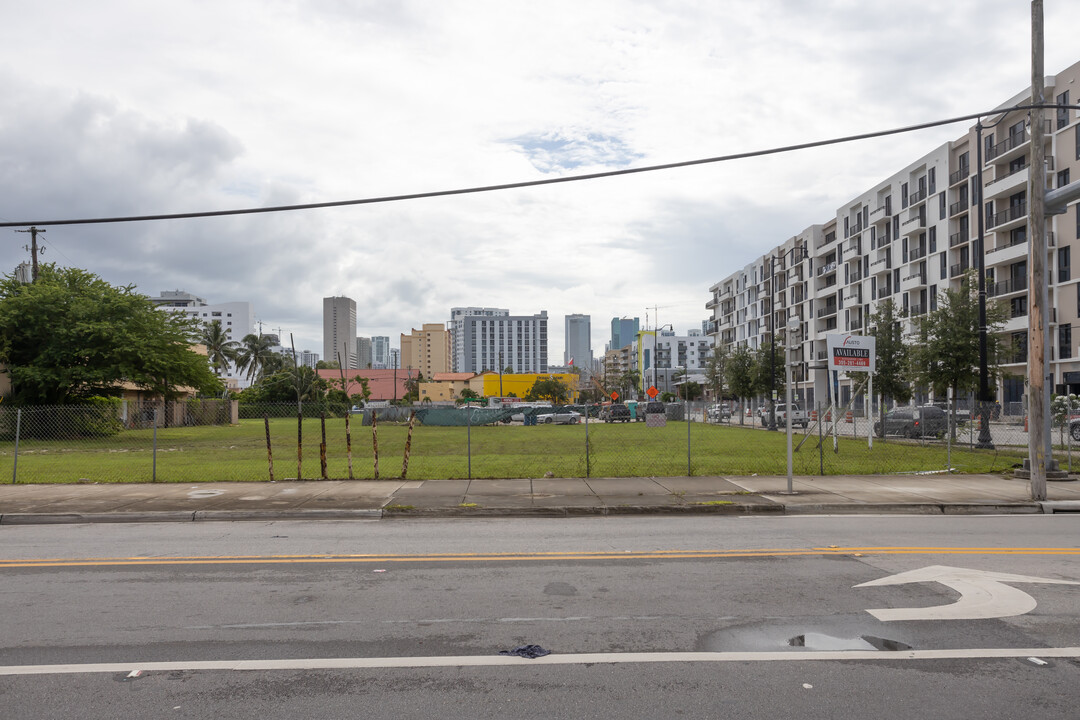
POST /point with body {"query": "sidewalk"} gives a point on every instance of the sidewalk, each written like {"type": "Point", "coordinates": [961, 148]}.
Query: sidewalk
{"type": "Point", "coordinates": [556, 497]}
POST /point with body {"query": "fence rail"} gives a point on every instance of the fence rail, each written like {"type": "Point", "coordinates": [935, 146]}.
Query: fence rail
{"type": "Point", "coordinates": [223, 441]}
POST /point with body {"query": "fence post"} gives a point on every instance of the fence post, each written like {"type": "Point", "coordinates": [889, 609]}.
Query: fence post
{"type": "Point", "coordinates": [322, 447]}
{"type": "Point", "coordinates": [586, 440]}
{"type": "Point", "coordinates": [820, 442]}
{"type": "Point", "coordinates": [153, 475]}
{"type": "Point", "coordinates": [686, 412]}
{"type": "Point", "coordinates": [375, 439]}
{"type": "Point", "coordinates": [468, 435]}
{"type": "Point", "coordinates": [299, 443]}
{"type": "Point", "coordinates": [269, 449]}
{"type": "Point", "coordinates": [18, 427]}
{"type": "Point", "coordinates": [408, 446]}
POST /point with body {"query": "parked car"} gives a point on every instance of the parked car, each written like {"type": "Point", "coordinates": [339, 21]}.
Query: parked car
{"type": "Point", "coordinates": [561, 417]}
{"type": "Point", "coordinates": [798, 416]}
{"type": "Point", "coordinates": [914, 422]}
{"type": "Point", "coordinates": [1074, 428]}
{"type": "Point", "coordinates": [719, 413]}
{"type": "Point", "coordinates": [616, 412]}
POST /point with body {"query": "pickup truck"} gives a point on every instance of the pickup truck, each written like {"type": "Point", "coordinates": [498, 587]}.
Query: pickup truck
{"type": "Point", "coordinates": [799, 418]}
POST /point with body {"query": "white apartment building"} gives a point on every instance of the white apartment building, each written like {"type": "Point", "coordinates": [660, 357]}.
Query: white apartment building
{"type": "Point", "coordinates": [491, 342]}
{"type": "Point", "coordinates": [457, 331]}
{"type": "Point", "coordinates": [237, 320]}
{"type": "Point", "coordinates": [380, 352]}
{"type": "Point", "coordinates": [339, 331]}
{"type": "Point", "coordinates": [915, 234]}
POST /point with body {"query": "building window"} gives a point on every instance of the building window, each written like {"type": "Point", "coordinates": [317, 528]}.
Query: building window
{"type": "Point", "coordinates": [1062, 113]}
{"type": "Point", "coordinates": [1063, 178]}
{"type": "Point", "coordinates": [933, 239]}
{"type": "Point", "coordinates": [1063, 264]}
{"type": "Point", "coordinates": [1065, 341]}
{"type": "Point", "coordinates": [933, 296]}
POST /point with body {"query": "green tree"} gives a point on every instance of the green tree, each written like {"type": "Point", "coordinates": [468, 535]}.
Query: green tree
{"type": "Point", "coordinates": [219, 348]}
{"type": "Point", "coordinates": [890, 365]}
{"type": "Point", "coordinates": [628, 383]}
{"type": "Point", "coordinates": [715, 371]}
{"type": "Point", "coordinates": [692, 390]}
{"type": "Point", "coordinates": [327, 365]}
{"type": "Point", "coordinates": [468, 394]}
{"type": "Point", "coordinates": [252, 354]}
{"type": "Point", "coordinates": [946, 352]}
{"type": "Point", "coordinates": [71, 335]}
{"type": "Point", "coordinates": [550, 389]}
{"type": "Point", "coordinates": [741, 372]}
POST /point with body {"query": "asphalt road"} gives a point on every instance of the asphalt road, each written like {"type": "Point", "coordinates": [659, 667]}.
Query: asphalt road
{"type": "Point", "coordinates": [646, 617]}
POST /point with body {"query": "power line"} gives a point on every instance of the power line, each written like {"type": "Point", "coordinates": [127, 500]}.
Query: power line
{"type": "Point", "coordinates": [529, 183]}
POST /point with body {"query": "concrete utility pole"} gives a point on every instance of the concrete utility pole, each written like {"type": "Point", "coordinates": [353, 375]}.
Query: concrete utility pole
{"type": "Point", "coordinates": [33, 251]}
{"type": "Point", "coordinates": [1037, 426]}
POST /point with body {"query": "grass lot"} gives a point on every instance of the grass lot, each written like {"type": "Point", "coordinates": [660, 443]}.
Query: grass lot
{"type": "Point", "coordinates": [238, 453]}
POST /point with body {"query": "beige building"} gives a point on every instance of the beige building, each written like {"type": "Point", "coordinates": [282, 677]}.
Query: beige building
{"type": "Point", "coordinates": [914, 234]}
{"type": "Point", "coordinates": [426, 350]}
{"type": "Point", "coordinates": [445, 387]}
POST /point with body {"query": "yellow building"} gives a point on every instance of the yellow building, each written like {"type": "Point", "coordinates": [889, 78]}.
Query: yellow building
{"type": "Point", "coordinates": [426, 350]}
{"type": "Point", "coordinates": [518, 385]}
{"type": "Point", "coordinates": [445, 387]}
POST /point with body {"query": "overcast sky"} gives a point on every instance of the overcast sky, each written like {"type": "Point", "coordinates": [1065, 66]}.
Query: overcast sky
{"type": "Point", "coordinates": [127, 107]}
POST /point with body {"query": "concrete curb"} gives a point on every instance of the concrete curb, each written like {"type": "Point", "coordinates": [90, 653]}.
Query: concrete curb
{"type": "Point", "coordinates": [1032, 508]}
{"type": "Point", "coordinates": [584, 511]}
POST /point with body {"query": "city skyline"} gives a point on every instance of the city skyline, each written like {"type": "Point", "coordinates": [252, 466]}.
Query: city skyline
{"type": "Point", "coordinates": [170, 121]}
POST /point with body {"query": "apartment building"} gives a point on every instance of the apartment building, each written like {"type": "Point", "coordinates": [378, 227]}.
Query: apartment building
{"type": "Point", "coordinates": [915, 234]}
{"type": "Point", "coordinates": [490, 342]}
{"type": "Point", "coordinates": [339, 331]}
{"type": "Point", "coordinates": [426, 350]}
{"type": "Point", "coordinates": [237, 320]}
{"type": "Point", "coordinates": [457, 331]}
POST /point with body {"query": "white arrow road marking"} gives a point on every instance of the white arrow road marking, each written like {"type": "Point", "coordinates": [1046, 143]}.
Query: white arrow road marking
{"type": "Point", "coordinates": [983, 594]}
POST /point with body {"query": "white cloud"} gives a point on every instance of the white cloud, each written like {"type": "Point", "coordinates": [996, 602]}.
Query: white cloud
{"type": "Point", "coordinates": [118, 107]}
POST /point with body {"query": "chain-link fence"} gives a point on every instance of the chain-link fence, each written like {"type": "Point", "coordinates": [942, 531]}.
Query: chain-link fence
{"type": "Point", "coordinates": [224, 440]}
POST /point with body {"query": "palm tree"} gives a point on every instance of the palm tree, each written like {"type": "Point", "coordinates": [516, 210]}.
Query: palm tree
{"type": "Point", "coordinates": [252, 354]}
{"type": "Point", "coordinates": [219, 348]}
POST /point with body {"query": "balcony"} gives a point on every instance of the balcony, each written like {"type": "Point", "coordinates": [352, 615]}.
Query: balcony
{"type": "Point", "coordinates": [1011, 217]}
{"type": "Point", "coordinates": [1007, 287]}
{"type": "Point", "coordinates": [958, 207]}
{"type": "Point", "coordinates": [854, 246]}
{"type": "Point", "coordinates": [958, 239]}
{"type": "Point", "coordinates": [912, 226]}
{"type": "Point", "coordinates": [1014, 145]}
{"type": "Point", "coordinates": [1013, 251]}
{"type": "Point", "coordinates": [913, 282]}
{"type": "Point", "coordinates": [825, 269]}
{"type": "Point", "coordinates": [959, 176]}
{"type": "Point", "coordinates": [712, 303]}
{"type": "Point", "coordinates": [855, 275]}
{"type": "Point", "coordinates": [917, 254]}
{"type": "Point", "coordinates": [826, 311]}
{"type": "Point", "coordinates": [853, 293]}
{"type": "Point", "coordinates": [855, 324]}
{"type": "Point", "coordinates": [916, 197]}
{"type": "Point", "coordinates": [958, 269]}
{"type": "Point", "coordinates": [829, 240]}
{"type": "Point", "coordinates": [916, 310]}
{"type": "Point", "coordinates": [1005, 185]}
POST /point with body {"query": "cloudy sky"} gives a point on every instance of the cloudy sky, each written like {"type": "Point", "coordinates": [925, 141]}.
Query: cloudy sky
{"type": "Point", "coordinates": [124, 107]}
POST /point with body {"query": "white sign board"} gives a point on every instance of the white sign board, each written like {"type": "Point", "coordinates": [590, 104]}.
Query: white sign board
{"type": "Point", "coordinates": [851, 353]}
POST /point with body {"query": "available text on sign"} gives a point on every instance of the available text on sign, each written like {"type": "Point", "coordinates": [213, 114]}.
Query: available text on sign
{"type": "Point", "coordinates": [851, 352]}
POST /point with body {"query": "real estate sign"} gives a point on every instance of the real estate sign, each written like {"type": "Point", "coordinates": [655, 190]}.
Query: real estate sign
{"type": "Point", "coordinates": [851, 353]}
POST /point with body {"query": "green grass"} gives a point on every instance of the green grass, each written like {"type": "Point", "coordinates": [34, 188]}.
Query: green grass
{"type": "Point", "coordinates": [239, 453]}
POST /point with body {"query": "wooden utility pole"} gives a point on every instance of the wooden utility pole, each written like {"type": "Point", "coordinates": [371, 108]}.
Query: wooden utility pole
{"type": "Point", "coordinates": [1037, 429]}
{"type": "Point", "coordinates": [33, 251]}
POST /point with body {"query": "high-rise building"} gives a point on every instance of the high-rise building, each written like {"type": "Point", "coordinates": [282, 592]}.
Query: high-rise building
{"type": "Point", "coordinates": [363, 352]}
{"type": "Point", "coordinates": [339, 331]}
{"type": "Point", "coordinates": [623, 332]}
{"type": "Point", "coordinates": [457, 331]}
{"type": "Point", "coordinates": [237, 319]}
{"type": "Point", "coordinates": [916, 233]}
{"type": "Point", "coordinates": [491, 342]}
{"type": "Point", "coordinates": [579, 342]}
{"type": "Point", "coordinates": [380, 352]}
{"type": "Point", "coordinates": [427, 349]}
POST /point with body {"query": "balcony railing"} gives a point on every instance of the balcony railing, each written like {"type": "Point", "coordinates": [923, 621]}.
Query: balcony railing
{"type": "Point", "coordinates": [1013, 213]}
{"type": "Point", "coordinates": [958, 269]}
{"type": "Point", "coordinates": [830, 267]}
{"type": "Point", "coordinates": [959, 175]}
{"type": "Point", "coordinates": [917, 254]}
{"type": "Point", "coordinates": [958, 207]}
{"type": "Point", "coordinates": [917, 196]}
{"type": "Point", "coordinates": [1005, 287]}
{"type": "Point", "coordinates": [916, 310]}
{"type": "Point", "coordinates": [958, 239]}
{"type": "Point", "coordinates": [826, 311]}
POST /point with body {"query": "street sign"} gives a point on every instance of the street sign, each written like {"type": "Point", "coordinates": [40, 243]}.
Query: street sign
{"type": "Point", "coordinates": [652, 392]}
{"type": "Point", "coordinates": [851, 352]}
{"type": "Point", "coordinates": [983, 594]}
{"type": "Point", "coordinates": [614, 394]}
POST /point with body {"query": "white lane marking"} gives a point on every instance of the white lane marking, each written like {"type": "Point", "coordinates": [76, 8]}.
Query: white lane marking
{"type": "Point", "coordinates": [455, 621]}
{"type": "Point", "coordinates": [983, 594]}
{"type": "Point", "coordinates": [460, 661]}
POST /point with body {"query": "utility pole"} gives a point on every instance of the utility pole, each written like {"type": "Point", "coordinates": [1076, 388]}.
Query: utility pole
{"type": "Point", "coordinates": [1037, 426]}
{"type": "Point", "coordinates": [33, 251]}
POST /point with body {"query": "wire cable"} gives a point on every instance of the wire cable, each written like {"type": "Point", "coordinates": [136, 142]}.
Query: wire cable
{"type": "Point", "coordinates": [528, 183]}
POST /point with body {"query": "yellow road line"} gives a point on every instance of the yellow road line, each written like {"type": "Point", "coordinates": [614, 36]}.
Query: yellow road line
{"type": "Point", "coordinates": [525, 557]}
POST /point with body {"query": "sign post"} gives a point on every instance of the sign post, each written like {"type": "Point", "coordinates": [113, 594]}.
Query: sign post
{"type": "Point", "coordinates": [855, 353]}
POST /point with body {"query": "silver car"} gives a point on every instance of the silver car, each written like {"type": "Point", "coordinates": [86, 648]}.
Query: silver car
{"type": "Point", "coordinates": [562, 417]}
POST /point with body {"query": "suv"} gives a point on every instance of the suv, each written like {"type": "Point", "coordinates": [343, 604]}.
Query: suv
{"type": "Point", "coordinates": [914, 422]}
{"type": "Point", "coordinates": [615, 413]}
